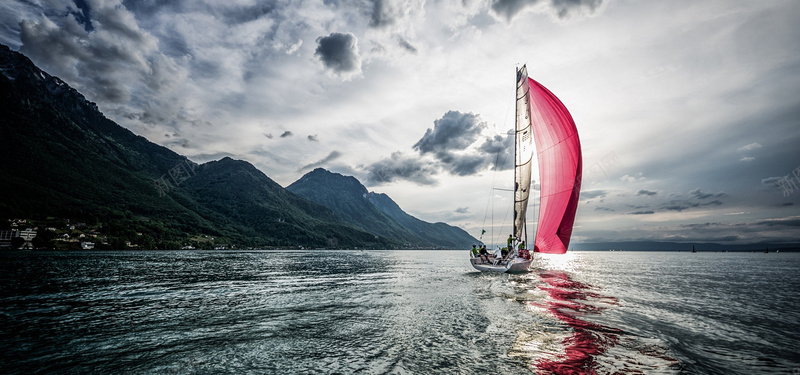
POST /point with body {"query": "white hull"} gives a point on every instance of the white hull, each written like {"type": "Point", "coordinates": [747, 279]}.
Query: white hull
{"type": "Point", "coordinates": [515, 265]}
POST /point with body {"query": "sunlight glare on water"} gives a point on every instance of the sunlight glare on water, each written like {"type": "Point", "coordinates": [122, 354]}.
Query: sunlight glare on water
{"type": "Point", "coordinates": [569, 262]}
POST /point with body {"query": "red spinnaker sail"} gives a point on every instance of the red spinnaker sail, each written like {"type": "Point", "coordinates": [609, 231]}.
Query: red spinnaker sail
{"type": "Point", "coordinates": [560, 167]}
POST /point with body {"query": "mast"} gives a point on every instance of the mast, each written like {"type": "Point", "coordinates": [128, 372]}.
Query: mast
{"type": "Point", "coordinates": [523, 153]}
{"type": "Point", "coordinates": [516, 126]}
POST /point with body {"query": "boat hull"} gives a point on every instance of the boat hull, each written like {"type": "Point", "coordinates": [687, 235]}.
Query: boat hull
{"type": "Point", "coordinates": [516, 265]}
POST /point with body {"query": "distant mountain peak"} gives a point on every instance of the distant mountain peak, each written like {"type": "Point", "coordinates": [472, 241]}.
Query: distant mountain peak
{"type": "Point", "coordinates": [325, 177]}
{"type": "Point", "coordinates": [375, 212]}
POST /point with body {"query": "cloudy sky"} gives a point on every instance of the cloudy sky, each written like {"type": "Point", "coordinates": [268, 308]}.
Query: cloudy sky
{"type": "Point", "coordinates": [688, 111]}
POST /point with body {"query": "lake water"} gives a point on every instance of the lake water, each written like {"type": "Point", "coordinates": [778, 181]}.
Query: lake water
{"type": "Point", "coordinates": [397, 312]}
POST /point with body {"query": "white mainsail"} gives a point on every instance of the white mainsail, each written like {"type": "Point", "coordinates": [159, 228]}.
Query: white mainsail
{"type": "Point", "coordinates": [523, 154]}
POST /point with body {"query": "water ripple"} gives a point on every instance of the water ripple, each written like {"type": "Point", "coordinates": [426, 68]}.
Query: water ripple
{"type": "Point", "coordinates": [395, 312]}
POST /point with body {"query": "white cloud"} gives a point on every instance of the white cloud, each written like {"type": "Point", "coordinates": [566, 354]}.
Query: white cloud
{"type": "Point", "coordinates": [750, 147]}
{"type": "Point", "coordinates": [634, 178]}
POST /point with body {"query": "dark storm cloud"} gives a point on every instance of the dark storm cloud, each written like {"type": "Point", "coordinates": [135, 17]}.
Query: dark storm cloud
{"type": "Point", "coordinates": [784, 222]}
{"type": "Point", "coordinates": [249, 13]}
{"type": "Point", "coordinates": [680, 205]}
{"type": "Point", "coordinates": [502, 147]}
{"type": "Point", "coordinates": [646, 192]}
{"type": "Point", "coordinates": [789, 227]}
{"type": "Point", "coordinates": [230, 14]}
{"type": "Point", "coordinates": [700, 194]}
{"type": "Point", "coordinates": [565, 8]}
{"type": "Point", "coordinates": [508, 9]}
{"type": "Point", "coordinates": [462, 165]}
{"type": "Point", "coordinates": [332, 156]}
{"type": "Point", "coordinates": [60, 48]}
{"type": "Point", "coordinates": [408, 46]}
{"type": "Point", "coordinates": [119, 22]}
{"type": "Point", "coordinates": [172, 42]}
{"type": "Point", "coordinates": [313, 138]}
{"type": "Point", "coordinates": [468, 165]}
{"type": "Point", "coordinates": [400, 167]}
{"type": "Point", "coordinates": [701, 238]}
{"type": "Point", "coordinates": [642, 213]}
{"type": "Point", "coordinates": [149, 8]}
{"type": "Point", "coordinates": [287, 134]}
{"type": "Point", "coordinates": [383, 13]}
{"type": "Point", "coordinates": [497, 144]}
{"type": "Point", "coordinates": [339, 53]}
{"type": "Point", "coordinates": [452, 138]}
{"type": "Point", "coordinates": [452, 146]}
{"type": "Point", "coordinates": [701, 226]}
{"type": "Point", "coordinates": [454, 131]}
{"type": "Point", "coordinates": [101, 50]}
{"type": "Point", "coordinates": [698, 198]}
{"type": "Point", "coordinates": [590, 194]}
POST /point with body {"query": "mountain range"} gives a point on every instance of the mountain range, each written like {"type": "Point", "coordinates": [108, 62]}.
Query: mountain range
{"type": "Point", "coordinates": [375, 213]}
{"type": "Point", "coordinates": [63, 160]}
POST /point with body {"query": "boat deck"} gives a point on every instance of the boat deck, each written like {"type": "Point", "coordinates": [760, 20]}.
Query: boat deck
{"type": "Point", "coordinates": [515, 265]}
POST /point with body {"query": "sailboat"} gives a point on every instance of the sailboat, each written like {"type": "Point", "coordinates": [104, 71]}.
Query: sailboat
{"type": "Point", "coordinates": [542, 119]}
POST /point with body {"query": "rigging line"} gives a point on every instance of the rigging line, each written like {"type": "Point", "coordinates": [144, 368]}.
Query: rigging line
{"type": "Point", "coordinates": [559, 142]}
{"type": "Point", "coordinates": [497, 166]}
{"type": "Point", "coordinates": [488, 200]}
{"type": "Point", "coordinates": [535, 211]}
{"type": "Point", "coordinates": [505, 218]}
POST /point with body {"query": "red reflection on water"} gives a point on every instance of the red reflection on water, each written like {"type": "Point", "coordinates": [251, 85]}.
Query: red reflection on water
{"type": "Point", "coordinates": [588, 340]}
